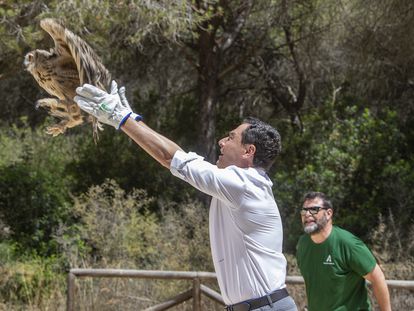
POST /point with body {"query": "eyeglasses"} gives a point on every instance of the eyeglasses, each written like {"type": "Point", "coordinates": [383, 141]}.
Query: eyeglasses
{"type": "Point", "coordinates": [313, 210]}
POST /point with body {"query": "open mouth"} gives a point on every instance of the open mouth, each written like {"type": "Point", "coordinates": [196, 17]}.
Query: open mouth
{"type": "Point", "coordinates": [309, 222]}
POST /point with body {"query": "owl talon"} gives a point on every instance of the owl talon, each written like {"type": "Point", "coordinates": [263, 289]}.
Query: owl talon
{"type": "Point", "coordinates": [55, 130]}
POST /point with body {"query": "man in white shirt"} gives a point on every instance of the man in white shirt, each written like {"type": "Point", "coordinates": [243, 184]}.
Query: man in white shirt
{"type": "Point", "coordinates": [245, 227]}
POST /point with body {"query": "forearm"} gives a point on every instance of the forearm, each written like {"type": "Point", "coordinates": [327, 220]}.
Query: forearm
{"type": "Point", "coordinates": [382, 295]}
{"type": "Point", "coordinates": [159, 147]}
{"type": "Point", "coordinates": [380, 288]}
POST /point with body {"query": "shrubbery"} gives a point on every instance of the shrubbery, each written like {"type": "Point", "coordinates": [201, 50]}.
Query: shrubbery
{"type": "Point", "coordinates": [359, 159]}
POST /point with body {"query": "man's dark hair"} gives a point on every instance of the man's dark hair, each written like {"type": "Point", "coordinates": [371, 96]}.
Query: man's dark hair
{"type": "Point", "coordinates": [326, 202]}
{"type": "Point", "coordinates": [265, 138]}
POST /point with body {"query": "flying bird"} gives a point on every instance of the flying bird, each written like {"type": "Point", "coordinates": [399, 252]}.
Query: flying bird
{"type": "Point", "coordinates": [59, 71]}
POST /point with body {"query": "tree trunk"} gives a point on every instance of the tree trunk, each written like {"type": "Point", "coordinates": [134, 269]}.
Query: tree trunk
{"type": "Point", "coordinates": [216, 36]}
{"type": "Point", "coordinates": [208, 78]}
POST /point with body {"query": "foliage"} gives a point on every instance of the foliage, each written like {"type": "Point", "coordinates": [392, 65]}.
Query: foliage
{"type": "Point", "coordinates": [387, 244]}
{"type": "Point", "coordinates": [189, 248]}
{"type": "Point", "coordinates": [34, 195]}
{"type": "Point", "coordinates": [30, 282]}
{"type": "Point", "coordinates": [117, 157]}
{"type": "Point", "coordinates": [115, 226]}
{"type": "Point", "coordinates": [352, 155]}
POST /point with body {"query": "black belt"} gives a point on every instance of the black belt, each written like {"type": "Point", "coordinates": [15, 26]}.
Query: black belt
{"type": "Point", "coordinates": [259, 302]}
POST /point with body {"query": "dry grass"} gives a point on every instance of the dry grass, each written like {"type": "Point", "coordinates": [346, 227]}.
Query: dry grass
{"type": "Point", "coordinates": [106, 294]}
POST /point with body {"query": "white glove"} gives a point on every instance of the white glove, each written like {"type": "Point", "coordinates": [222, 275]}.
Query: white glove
{"type": "Point", "coordinates": [125, 103]}
{"type": "Point", "coordinates": [107, 108]}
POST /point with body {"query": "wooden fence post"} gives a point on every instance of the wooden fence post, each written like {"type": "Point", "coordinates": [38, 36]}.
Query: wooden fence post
{"type": "Point", "coordinates": [196, 294]}
{"type": "Point", "coordinates": [71, 292]}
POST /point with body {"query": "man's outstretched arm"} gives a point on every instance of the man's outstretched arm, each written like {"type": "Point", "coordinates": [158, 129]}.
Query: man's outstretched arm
{"type": "Point", "coordinates": [113, 109]}
{"type": "Point", "coordinates": [156, 145]}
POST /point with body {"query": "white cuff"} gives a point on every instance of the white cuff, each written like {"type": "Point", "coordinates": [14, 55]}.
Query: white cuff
{"type": "Point", "coordinates": [136, 117]}
{"type": "Point", "coordinates": [180, 160]}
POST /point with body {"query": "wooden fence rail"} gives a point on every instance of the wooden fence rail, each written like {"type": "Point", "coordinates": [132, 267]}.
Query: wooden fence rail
{"type": "Point", "coordinates": [194, 293]}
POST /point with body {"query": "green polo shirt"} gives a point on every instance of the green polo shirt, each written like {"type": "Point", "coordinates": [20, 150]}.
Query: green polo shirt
{"type": "Point", "coordinates": [333, 271]}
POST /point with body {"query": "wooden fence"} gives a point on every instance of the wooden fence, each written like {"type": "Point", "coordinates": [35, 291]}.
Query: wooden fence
{"type": "Point", "coordinates": [195, 293]}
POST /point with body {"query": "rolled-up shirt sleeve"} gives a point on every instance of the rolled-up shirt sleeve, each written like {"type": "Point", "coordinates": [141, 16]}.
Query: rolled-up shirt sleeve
{"type": "Point", "coordinates": [225, 184]}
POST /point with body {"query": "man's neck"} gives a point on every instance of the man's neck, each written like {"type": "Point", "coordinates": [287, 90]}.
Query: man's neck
{"type": "Point", "coordinates": [322, 235]}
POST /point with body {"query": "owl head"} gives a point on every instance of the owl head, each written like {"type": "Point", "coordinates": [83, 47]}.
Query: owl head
{"type": "Point", "coordinates": [38, 59]}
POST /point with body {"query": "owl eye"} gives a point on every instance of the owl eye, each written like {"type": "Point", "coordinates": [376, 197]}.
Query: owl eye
{"type": "Point", "coordinates": [30, 57]}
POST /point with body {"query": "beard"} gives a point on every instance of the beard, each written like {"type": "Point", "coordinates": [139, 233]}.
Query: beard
{"type": "Point", "coordinates": [317, 226]}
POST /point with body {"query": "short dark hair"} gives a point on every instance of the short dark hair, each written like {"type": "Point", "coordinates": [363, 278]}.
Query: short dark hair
{"type": "Point", "coordinates": [265, 138]}
{"type": "Point", "coordinates": [326, 202]}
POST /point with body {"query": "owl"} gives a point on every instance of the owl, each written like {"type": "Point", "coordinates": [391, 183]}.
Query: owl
{"type": "Point", "coordinates": [59, 71]}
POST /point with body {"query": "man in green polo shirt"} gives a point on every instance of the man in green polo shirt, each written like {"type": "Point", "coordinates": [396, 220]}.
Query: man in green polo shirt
{"type": "Point", "coordinates": [335, 263]}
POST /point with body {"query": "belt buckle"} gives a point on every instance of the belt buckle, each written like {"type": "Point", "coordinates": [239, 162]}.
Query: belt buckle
{"type": "Point", "coordinates": [249, 306]}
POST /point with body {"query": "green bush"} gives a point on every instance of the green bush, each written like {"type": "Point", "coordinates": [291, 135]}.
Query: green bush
{"type": "Point", "coordinates": [29, 282]}
{"type": "Point", "coordinates": [35, 189]}
{"type": "Point", "coordinates": [112, 227]}
{"type": "Point", "coordinates": [355, 156]}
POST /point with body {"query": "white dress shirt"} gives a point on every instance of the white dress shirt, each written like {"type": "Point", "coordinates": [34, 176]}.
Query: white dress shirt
{"type": "Point", "coordinates": [246, 231]}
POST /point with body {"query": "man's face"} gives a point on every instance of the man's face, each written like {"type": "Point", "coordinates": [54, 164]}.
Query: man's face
{"type": "Point", "coordinates": [313, 222]}
{"type": "Point", "coordinates": [232, 151]}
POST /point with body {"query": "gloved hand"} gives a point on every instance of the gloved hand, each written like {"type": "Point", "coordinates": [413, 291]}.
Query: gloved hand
{"type": "Point", "coordinates": [125, 102]}
{"type": "Point", "coordinates": [107, 108]}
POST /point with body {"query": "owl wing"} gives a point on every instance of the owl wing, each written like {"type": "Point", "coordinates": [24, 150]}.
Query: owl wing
{"type": "Point", "coordinates": [90, 68]}
{"type": "Point", "coordinates": [57, 32]}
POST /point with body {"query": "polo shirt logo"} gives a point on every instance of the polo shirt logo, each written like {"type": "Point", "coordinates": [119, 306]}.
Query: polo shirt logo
{"type": "Point", "coordinates": [328, 261]}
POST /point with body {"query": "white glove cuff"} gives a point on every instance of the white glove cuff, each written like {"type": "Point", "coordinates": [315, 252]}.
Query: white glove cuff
{"type": "Point", "coordinates": [132, 115]}
{"type": "Point", "coordinates": [136, 117]}
{"type": "Point", "coordinates": [123, 120]}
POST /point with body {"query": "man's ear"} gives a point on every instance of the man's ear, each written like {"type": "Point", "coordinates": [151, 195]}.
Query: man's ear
{"type": "Point", "coordinates": [330, 212]}
{"type": "Point", "coordinates": [250, 151]}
